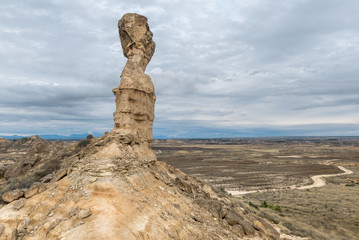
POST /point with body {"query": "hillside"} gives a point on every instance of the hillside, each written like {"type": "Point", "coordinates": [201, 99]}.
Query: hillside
{"type": "Point", "coordinates": [113, 187]}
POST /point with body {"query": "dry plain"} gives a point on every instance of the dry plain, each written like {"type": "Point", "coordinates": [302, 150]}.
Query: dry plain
{"type": "Point", "coordinates": [269, 167]}
{"type": "Point", "coordinates": [272, 169]}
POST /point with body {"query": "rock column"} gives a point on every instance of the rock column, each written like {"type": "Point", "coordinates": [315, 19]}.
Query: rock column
{"type": "Point", "coordinates": [135, 96]}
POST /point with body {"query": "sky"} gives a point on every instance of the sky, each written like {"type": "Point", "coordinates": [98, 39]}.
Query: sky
{"type": "Point", "coordinates": [222, 68]}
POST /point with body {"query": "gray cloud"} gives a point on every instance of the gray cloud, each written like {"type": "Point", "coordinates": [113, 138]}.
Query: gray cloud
{"type": "Point", "coordinates": [243, 67]}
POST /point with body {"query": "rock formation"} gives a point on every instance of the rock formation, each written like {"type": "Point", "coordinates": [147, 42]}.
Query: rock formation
{"type": "Point", "coordinates": [135, 96]}
{"type": "Point", "coordinates": [127, 146]}
{"type": "Point", "coordinates": [113, 187]}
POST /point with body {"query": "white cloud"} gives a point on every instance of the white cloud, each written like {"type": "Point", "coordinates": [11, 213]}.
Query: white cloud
{"type": "Point", "coordinates": [221, 64]}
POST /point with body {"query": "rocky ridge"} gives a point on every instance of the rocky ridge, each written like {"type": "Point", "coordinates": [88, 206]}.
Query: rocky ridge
{"type": "Point", "coordinates": [114, 188]}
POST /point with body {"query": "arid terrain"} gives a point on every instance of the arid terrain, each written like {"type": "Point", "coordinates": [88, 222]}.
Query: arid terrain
{"type": "Point", "coordinates": [262, 175]}
{"type": "Point", "coordinates": [104, 188]}
{"type": "Point", "coordinates": [269, 168]}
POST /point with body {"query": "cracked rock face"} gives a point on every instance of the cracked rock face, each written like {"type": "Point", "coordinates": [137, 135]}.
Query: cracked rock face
{"type": "Point", "coordinates": [135, 96]}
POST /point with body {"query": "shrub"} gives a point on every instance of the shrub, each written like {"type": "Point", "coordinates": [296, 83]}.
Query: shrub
{"type": "Point", "coordinates": [221, 191]}
{"type": "Point", "coordinates": [48, 167]}
{"type": "Point", "coordinates": [264, 204]}
{"type": "Point", "coordinates": [83, 143]}
{"type": "Point", "coordinates": [253, 205]}
{"type": "Point", "coordinates": [350, 185]}
{"type": "Point", "coordinates": [276, 208]}
{"type": "Point", "coordinates": [90, 136]}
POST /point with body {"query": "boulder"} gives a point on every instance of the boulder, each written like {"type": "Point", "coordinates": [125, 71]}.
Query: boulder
{"type": "Point", "coordinates": [84, 213]}
{"type": "Point", "coordinates": [208, 190]}
{"type": "Point", "coordinates": [3, 169]}
{"type": "Point", "coordinates": [35, 188]}
{"type": "Point", "coordinates": [47, 178]}
{"type": "Point", "coordinates": [258, 226]}
{"type": "Point", "coordinates": [183, 185]}
{"type": "Point", "coordinates": [59, 175]}
{"type": "Point", "coordinates": [11, 196]}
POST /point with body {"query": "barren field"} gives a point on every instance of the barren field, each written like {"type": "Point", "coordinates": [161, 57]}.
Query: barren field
{"type": "Point", "coordinates": [272, 168]}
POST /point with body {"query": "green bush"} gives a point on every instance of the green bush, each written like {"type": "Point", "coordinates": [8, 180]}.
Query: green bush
{"type": "Point", "coordinates": [264, 204]}
{"type": "Point", "coordinates": [253, 205]}
{"type": "Point", "coordinates": [270, 206]}
{"type": "Point", "coordinates": [278, 209]}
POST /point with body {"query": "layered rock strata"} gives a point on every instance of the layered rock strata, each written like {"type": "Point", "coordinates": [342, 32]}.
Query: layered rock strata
{"type": "Point", "coordinates": [135, 96]}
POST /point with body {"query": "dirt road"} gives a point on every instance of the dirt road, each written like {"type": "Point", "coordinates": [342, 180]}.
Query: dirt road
{"type": "Point", "coordinates": [318, 181]}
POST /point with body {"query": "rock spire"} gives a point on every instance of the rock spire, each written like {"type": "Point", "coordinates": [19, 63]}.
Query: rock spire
{"type": "Point", "coordinates": [135, 96]}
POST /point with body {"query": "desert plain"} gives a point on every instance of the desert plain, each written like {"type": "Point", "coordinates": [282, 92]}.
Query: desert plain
{"type": "Point", "coordinates": [274, 178]}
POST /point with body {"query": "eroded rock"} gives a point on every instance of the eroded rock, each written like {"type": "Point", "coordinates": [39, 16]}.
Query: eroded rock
{"type": "Point", "coordinates": [59, 175]}
{"type": "Point", "coordinates": [84, 213]}
{"type": "Point", "coordinates": [135, 96]}
{"type": "Point", "coordinates": [74, 211]}
{"type": "Point", "coordinates": [14, 234]}
{"type": "Point", "coordinates": [35, 188]}
{"type": "Point", "coordinates": [19, 203]}
{"type": "Point", "coordinates": [47, 178]}
{"type": "Point", "coordinates": [1, 228]}
{"type": "Point", "coordinates": [12, 195]}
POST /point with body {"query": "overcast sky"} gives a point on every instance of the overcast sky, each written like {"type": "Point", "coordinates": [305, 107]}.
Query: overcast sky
{"type": "Point", "coordinates": [221, 68]}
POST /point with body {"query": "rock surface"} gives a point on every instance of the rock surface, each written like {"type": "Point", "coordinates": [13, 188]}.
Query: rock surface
{"type": "Point", "coordinates": [116, 189]}
{"type": "Point", "coordinates": [149, 203]}
{"type": "Point", "coordinates": [19, 203]}
{"type": "Point", "coordinates": [135, 96]}
{"type": "Point", "coordinates": [12, 195]}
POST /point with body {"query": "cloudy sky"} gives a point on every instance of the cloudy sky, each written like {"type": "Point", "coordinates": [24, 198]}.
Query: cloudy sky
{"type": "Point", "coordinates": [222, 68]}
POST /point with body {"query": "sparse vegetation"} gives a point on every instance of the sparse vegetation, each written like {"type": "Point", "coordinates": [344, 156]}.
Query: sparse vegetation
{"type": "Point", "coordinates": [328, 212]}
{"type": "Point", "coordinates": [270, 206]}
{"type": "Point", "coordinates": [90, 136]}
{"type": "Point", "coordinates": [83, 143]}
{"type": "Point", "coordinates": [253, 205]}
{"type": "Point", "coordinates": [221, 191]}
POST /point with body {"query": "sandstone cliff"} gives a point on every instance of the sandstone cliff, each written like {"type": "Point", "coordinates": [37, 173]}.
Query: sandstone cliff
{"type": "Point", "coordinates": [114, 188]}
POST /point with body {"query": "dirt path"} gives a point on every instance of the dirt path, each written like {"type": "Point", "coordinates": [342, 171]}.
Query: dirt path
{"type": "Point", "coordinates": [318, 181]}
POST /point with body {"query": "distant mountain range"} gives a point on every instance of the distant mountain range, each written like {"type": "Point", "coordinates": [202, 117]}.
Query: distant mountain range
{"type": "Point", "coordinates": [56, 137]}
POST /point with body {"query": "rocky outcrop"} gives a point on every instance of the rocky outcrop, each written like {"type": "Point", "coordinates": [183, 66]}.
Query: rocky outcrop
{"type": "Point", "coordinates": [135, 96]}
{"type": "Point", "coordinates": [42, 158]}
{"type": "Point", "coordinates": [154, 202]}
{"type": "Point", "coordinates": [115, 189]}
{"type": "Point", "coordinates": [12, 195]}
{"type": "Point", "coordinates": [39, 159]}
{"type": "Point", "coordinates": [35, 189]}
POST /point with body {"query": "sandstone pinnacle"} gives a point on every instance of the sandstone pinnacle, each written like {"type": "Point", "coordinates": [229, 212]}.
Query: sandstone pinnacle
{"type": "Point", "coordinates": [135, 96]}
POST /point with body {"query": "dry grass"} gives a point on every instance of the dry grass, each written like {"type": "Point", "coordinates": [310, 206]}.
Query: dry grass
{"type": "Point", "coordinates": [329, 212]}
